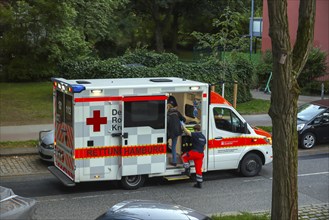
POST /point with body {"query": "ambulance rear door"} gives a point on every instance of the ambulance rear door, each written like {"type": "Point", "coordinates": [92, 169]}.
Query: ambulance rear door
{"type": "Point", "coordinates": [64, 134]}
{"type": "Point", "coordinates": [143, 135]}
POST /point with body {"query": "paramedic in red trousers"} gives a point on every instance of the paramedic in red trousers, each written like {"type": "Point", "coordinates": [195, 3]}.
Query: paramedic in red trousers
{"type": "Point", "coordinates": [196, 153]}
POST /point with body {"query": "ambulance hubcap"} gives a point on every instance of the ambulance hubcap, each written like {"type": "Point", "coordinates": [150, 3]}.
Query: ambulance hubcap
{"type": "Point", "coordinates": [133, 180]}
{"type": "Point", "coordinates": [251, 165]}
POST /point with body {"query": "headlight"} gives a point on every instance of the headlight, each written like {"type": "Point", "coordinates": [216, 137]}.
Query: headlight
{"type": "Point", "coordinates": [47, 146]}
{"type": "Point", "coordinates": [300, 127]}
{"type": "Point", "coordinates": [268, 140]}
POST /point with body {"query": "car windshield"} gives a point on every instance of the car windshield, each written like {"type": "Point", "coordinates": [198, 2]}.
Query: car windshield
{"type": "Point", "coordinates": [308, 111]}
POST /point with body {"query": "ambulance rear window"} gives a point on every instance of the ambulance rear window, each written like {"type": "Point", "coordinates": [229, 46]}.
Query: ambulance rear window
{"type": "Point", "coordinates": [145, 113]}
{"type": "Point", "coordinates": [68, 109]}
{"type": "Point", "coordinates": [59, 106]}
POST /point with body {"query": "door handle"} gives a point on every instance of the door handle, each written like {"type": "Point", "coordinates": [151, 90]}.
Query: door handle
{"type": "Point", "coordinates": [125, 135]}
{"type": "Point", "coordinates": [218, 138]}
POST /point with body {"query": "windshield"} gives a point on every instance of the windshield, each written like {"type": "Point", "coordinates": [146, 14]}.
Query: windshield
{"type": "Point", "coordinates": [308, 111]}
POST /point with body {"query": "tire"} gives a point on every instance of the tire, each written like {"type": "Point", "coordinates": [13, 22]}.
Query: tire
{"type": "Point", "coordinates": [308, 140]}
{"type": "Point", "coordinates": [132, 182]}
{"type": "Point", "coordinates": [251, 165]}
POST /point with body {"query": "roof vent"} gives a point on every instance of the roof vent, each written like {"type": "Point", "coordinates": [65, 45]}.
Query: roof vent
{"type": "Point", "coordinates": [83, 82]}
{"type": "Point", "coordinates": [160, 80]}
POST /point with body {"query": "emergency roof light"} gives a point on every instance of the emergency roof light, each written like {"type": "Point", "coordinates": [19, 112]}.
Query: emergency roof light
{"type": "Point", "coordinates": [64, 86]}
{"type": "Point", "coordinates": [78, 88]}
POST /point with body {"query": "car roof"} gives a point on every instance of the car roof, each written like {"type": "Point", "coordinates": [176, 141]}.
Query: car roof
{"type": "Point", "coordinates": [322, 102]}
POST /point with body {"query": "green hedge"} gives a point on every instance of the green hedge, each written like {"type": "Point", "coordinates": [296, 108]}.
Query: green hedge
{"type": "Point", "coordinates": [165, 65]}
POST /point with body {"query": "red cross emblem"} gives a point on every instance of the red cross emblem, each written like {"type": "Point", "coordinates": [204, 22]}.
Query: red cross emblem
{"type": "Point", "coordinates": [96, 120]}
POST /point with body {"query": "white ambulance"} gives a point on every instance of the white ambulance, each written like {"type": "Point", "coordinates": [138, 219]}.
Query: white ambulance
{"type": "Point", "coordinates": [115, 129]}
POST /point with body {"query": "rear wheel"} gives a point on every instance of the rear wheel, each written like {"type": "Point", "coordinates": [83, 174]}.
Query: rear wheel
{"type": "Point", "coordinates": [308, 140]}
{"type": "Point", "coordinates": [250, 165]}
{"type": "Point", "coordinates": [132, 182]}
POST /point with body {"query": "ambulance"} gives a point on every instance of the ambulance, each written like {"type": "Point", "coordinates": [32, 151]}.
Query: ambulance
{"type": "Point", "coordinates": [116, 130]}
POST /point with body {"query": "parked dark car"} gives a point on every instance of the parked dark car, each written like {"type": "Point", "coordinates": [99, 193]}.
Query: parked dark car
{"type": "Point", "coordinates": [46, 145]}
{"type": "Point", "coordinates": [149, 209]}
{"type": "Point", "coordinates": [313, 123]}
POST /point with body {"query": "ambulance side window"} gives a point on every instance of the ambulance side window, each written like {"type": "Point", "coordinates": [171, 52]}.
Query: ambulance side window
{"type": "Point", "coordinates": [226, 120]}
{"type": "Point", "coordinates": [145, 113]}
{"type": "Point", "coordinates": [59, 106]}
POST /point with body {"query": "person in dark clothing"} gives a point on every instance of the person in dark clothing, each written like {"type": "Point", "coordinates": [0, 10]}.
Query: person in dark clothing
{"type": "Point", "coordinates": [172, 101]}
{"type": "Point", "coordinates": [196, 153]}
{"type": "Point", "coordinates": [174, 130]}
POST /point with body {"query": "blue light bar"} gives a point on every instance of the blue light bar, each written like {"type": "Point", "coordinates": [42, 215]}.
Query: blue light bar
{"type": "Point", "coordinates": [78, 88]}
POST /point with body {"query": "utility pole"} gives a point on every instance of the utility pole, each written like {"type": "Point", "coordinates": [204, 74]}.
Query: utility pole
{"type": "Point", "coordinates": [251, 26]}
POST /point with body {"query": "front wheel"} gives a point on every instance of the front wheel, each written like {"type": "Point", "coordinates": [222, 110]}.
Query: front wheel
{"type": "Point", "coordinates": [308, 140]}
{"type": "Point", "coordinates": [132, 182]}
{"type": "Point", "coordinates": [251, 165]}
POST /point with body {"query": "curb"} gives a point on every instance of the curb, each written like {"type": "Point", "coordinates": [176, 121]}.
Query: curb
{"type": "Point", "coordinates": [17, 151]}
{"type": "Point", "coordinates": [312, 211]}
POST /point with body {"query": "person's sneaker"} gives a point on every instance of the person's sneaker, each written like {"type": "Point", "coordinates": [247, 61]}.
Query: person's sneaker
{"type": "Point", "coordinates": [198, 185]}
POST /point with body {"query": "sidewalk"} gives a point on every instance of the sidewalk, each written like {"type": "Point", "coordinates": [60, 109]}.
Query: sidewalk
{"type": "Point", "coordinates": [301, 100]}
{"type": "Point", "coordinates": [23, 132]}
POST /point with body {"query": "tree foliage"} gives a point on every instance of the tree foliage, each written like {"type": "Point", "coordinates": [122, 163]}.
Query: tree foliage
{"type": "Point", "coordinates": [37, 35]}
{"type": "Point", "coordinates": [37, 38]}
{"type": "Point", "coordinates": [228, 37]}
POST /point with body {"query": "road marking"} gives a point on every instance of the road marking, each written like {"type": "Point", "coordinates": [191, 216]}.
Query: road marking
{"type": "Point", "coordinates": [254, 180]}
{"type": "Point", "coordinates": [300, 175]}
{"type": "Point", "coordinates": [312, 174]}
{"type": "Point", "coordinates": [89, 197]}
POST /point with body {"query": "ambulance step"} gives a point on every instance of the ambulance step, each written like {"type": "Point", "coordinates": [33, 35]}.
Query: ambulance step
{"type": "Point", "coordinates": [61, 176]}
{"type": "Point", "coordinates": [177, 177]}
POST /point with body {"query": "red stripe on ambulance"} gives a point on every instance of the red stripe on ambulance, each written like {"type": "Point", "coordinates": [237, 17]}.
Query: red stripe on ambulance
{"type": "Point", "coordinates": [144, 98]}
{"type": "Point", "coordinates": [99, 99]}
{"type": "Point", "coordinates": [236, 142]}
{"type": "Point", "coordinates": [109, 151]}
{"type": "Point", "coordinates": [130, 151]}
{"type": "Point", "coordinates": [116, 151]}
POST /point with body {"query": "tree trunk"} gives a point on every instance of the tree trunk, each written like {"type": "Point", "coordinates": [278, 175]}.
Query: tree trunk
{"type": "Point", "coordinates": [283, 111]}
{"type": "Point", "coordinates": [159, 37]}
{"type": "Point", "coordinates": [174, 32]}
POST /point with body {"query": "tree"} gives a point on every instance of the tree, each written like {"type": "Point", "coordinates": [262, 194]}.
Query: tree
{"type": "Point", "coordinates": [39, 34]}
{"type": "Point", "coordinates": [228, 37]}
{"type": "Point", "coordinates": [287, 65]}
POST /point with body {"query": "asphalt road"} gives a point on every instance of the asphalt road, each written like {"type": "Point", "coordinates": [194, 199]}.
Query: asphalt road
{"type": "Point", "coordinates": [223, 191]}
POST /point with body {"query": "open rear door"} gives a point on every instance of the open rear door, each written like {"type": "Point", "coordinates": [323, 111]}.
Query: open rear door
{"type": "Point", "coordinates": [64, 138]}
{"type": "Point", "coordinates": [143, 135]}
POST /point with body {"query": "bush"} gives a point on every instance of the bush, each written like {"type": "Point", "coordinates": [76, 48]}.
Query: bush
{"type": "Point", "coordinates": [263, 70]}
{"type": "Point", "coordinates": [147, 58]}
{"type": "Point", "coordinates": [314, 88]}
{"type": "Point", "coordinates": [315, 66]}
{"type": "Point", "coordinates": [165, 65]}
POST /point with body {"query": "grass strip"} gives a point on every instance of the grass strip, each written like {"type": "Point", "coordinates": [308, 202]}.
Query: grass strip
{"type": "Point", "coordinates": [255, 106]}
{"type": "Point", "coordinates": [13, 144]}
{"type": "Point", "coordinates": [242, 216]}
{"type": "Point", "coordinates": [26, 103]}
